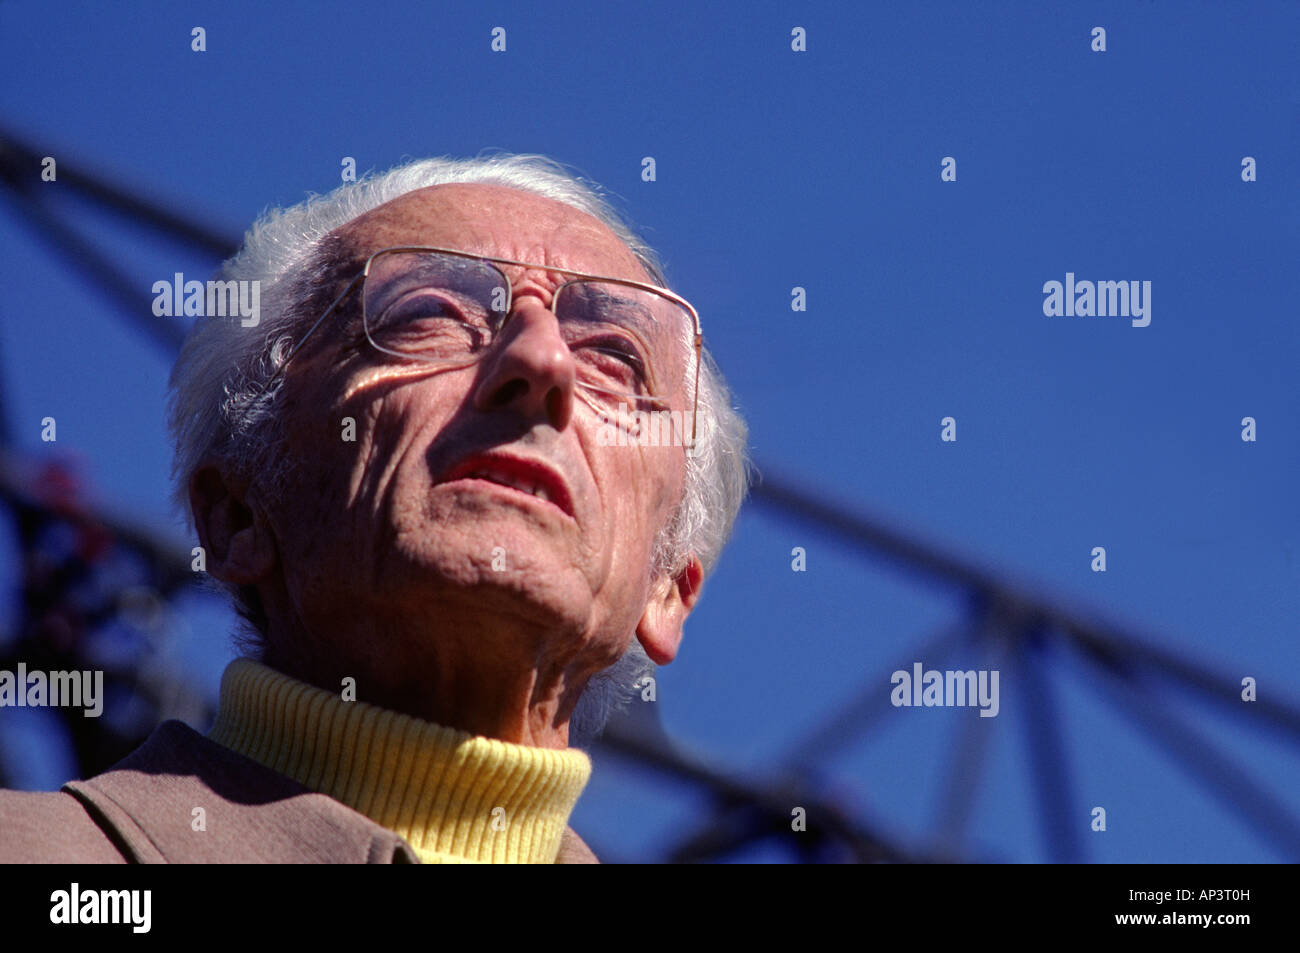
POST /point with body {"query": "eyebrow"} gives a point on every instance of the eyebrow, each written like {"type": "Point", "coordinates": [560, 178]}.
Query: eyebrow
{"type": "Point", "coordinates": [645, 315]}
{"type": "Point", "coordinates": [336, 266]}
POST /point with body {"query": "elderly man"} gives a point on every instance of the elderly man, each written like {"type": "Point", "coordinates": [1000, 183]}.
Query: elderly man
{"type": "Point", "coordinates": [423, 477]}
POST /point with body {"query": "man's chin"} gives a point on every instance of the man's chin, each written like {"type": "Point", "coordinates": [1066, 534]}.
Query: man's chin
{"type": "Point", "coordinates": [491, 582]}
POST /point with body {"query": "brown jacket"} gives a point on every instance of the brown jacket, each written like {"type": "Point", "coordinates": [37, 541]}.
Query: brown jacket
{"type": "Point", "coordinates": [144, 810]}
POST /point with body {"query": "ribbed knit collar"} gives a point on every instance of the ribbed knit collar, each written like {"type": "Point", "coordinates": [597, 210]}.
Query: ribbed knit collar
{"type": "Point", "coordinates": [453, 796]}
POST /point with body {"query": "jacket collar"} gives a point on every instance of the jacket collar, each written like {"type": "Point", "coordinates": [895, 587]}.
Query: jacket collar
{"type": "Point", "coordinates": [181, 798]}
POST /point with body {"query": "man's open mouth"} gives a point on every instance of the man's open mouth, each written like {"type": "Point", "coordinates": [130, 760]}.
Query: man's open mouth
{"type": "Point", "coordinates": [527, 476]}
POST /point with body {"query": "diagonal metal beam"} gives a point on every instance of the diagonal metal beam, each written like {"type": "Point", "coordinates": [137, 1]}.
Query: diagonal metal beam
{"type": "Point", "coordinates": [869, 705]}
{"type": "Point", "coordinates": [972, 738]}
{"type": "Point", "coordinates": [773, 801]}
{"type": "Point", "coordinates": [1046, 743]}
{"type": "Point", "coordinates": [20, 163]}
{"type": "Point", "coordinates": [1200, 758]}
{"type": "Point", "coordinates": [129, 296]}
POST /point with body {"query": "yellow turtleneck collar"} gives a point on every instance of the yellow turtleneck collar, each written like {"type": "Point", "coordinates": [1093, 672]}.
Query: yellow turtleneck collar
{"type": "Point", "coordinates": [453, 796]}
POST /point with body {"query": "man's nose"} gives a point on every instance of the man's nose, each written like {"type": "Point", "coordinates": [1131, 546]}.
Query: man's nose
{"type": "Point", "coordinates": [532, 370]}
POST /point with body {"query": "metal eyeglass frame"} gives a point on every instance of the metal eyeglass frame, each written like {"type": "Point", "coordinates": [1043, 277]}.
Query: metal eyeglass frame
{"type": "Point", "coordinates": [360, 277]}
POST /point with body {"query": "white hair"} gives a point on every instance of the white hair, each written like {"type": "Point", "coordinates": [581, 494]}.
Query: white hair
{"type": "Point", "coordinates": [220, 403]}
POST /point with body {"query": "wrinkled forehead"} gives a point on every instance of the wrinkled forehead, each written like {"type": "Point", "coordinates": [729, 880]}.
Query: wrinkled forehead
{"type": "Point", "coordinates": [497, 221]}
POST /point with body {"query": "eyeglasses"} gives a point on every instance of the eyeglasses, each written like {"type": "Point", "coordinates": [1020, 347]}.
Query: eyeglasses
{"type": "Point", "coordinates": [446, 308]}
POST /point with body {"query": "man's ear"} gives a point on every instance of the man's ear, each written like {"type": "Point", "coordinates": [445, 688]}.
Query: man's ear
{"type": "Point", "coordinates": [232, 526]}
{"type": "Point", "coordinates": [671, 601]}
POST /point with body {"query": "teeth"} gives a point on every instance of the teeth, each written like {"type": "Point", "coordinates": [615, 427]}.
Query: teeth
{"type": "Point", "coordinates": [516, 483]}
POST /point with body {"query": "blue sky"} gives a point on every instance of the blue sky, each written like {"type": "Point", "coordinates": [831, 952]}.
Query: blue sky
{"type": "Point", "coordinates": [778, 169]}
